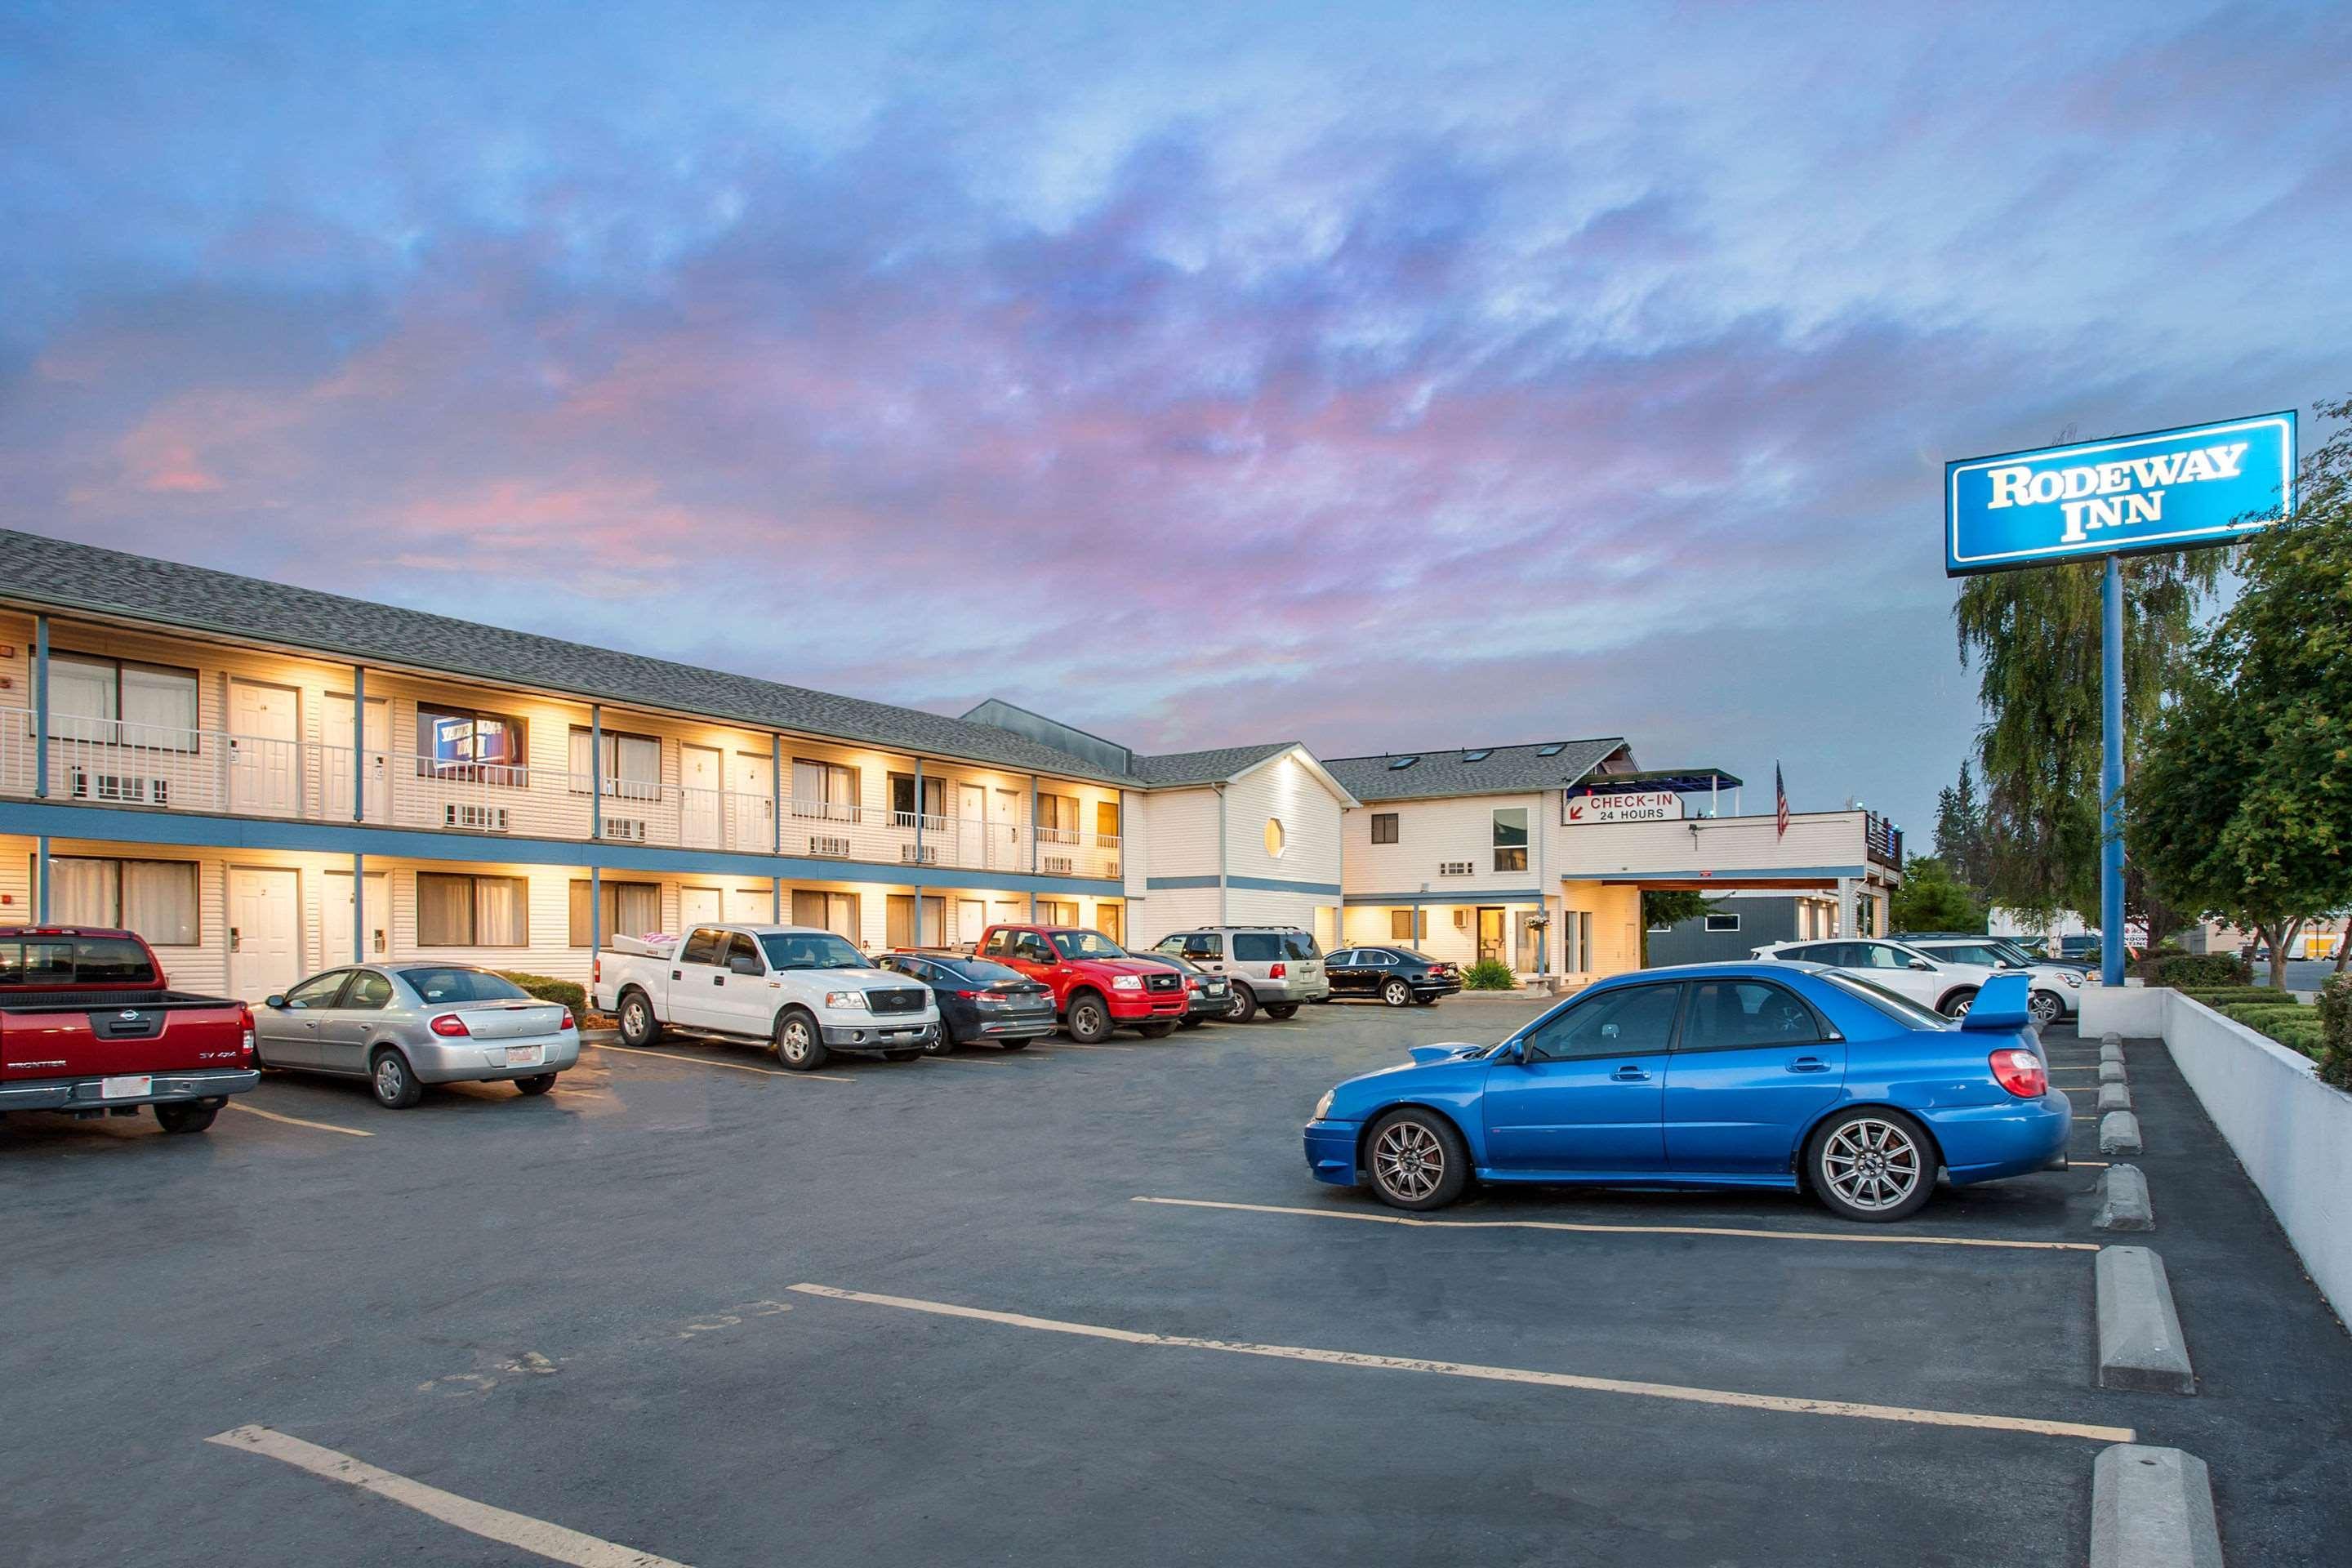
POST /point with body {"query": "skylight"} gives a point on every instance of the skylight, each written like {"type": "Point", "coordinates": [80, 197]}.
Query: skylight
{"type": "Point", "coordinates": [1478, 756]}
{"type": "Point", "coordinates": [1396, 762]}
{"type": "Point", "coordinates": [1555, 749]}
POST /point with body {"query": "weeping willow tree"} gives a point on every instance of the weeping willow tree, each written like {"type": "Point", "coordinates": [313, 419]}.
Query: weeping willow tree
{"type": "Point", "coordinates": [2033, 637]}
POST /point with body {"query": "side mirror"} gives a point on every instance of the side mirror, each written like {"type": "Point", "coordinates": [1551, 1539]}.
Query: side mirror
{"type": "Point", "coordinates": [743, 964]}
{"type": "Point", "coordinates": [1922, 964]}
{"type": "Point", "coordinates": [276, 1004]}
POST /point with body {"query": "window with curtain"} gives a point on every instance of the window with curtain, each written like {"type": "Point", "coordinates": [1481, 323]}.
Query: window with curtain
{"type": "Point", "coordinates": [112, 702]}
{"type": "Point", "coordinates": [631, 909]}
{"type": "Point", "coordinates": [459, 911]}
{"type": "Point", "coordinates": [1058, 815]}
{"type": "Point", "coordinates": [1399, 925]}
{"type": "Point", "coordinates": [825, 792]}
{"type": "Point", "coordinates": [461, 743]}
{"type": "Point", "coordinates": [1107, 824]}
{"type": "Point", "coordinates": [1384, 827]}
{"type": "Point", "coordinates": [835, 913]}
{"type": "Point", "coordinates": [902, 797]}
{"type": "Point", "coordinates": [633, 765]}
{"type": "Point", "coordinates": [157, 898]}
{"type": "Point", "coordinates": [1511, 838]}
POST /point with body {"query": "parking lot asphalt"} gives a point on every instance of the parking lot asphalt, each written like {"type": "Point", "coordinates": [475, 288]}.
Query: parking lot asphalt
{"type": "Point", "coordinates": [500, 1318]}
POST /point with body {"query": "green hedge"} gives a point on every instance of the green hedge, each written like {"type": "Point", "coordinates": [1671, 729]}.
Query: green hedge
{"type": "Point", "coordinates": [2334, 1049]}
{"type": "Point", "coordinates": [2234, 993]}
{"type": "Point", "coordinates": [2187, 970]}
{"type": "Point", "coordinates": [1489, 975]}
{"type": "Point", "coordinates": [547, 988]}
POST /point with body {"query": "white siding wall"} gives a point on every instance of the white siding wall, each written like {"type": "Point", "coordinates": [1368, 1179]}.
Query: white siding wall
{"type": "Point", "coordinates": [1283, 789]}
{"type": "Point", "coordinates": [1744, 843]}
{"type": "Point", "coordinates": [1432, 832]}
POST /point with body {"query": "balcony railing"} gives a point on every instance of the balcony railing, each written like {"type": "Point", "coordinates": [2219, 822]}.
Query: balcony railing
{"type": "Point", "coordinates": [106, 762]}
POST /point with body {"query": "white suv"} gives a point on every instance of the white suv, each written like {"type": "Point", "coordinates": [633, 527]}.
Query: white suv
{"type": "Point", "coordinates": [2057, 988]}
{"type": "Point", "coordinates": [1940, 982]}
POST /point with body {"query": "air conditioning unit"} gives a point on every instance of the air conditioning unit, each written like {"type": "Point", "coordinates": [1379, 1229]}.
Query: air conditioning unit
{"type": "Point", "coordinates": [124, 789]}
{"type": "Point", "coordinates": [474, 818]}
{"type": "Point", "coordinates": [928, 854]}
{"type": "Point", "coordinates": [1113, 872]}
{"type": "Point", "coordinates": [833, 846]}
{"type": "Point", "coordinates": [1057, 865]}
{"type": "Point", "coordinates": [625, 829]}
{"type": "Point", "coordinates": [1456, 867]}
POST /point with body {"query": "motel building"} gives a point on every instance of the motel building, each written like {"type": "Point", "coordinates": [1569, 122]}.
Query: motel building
{"type": "Point", "coordinates": [265, 780]}
{"type": "Point", "coordinates": [1538, 854]}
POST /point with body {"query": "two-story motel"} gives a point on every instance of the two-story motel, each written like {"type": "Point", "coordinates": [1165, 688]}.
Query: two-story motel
{"type": "Point", "coordinates": [264, 780]}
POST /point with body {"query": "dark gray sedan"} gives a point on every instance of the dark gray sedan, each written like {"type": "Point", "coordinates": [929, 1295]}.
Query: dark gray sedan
{"type": "Point", "coordinates": [403, 1025]}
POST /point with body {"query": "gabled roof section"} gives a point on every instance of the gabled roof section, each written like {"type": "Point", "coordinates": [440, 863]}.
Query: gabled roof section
{"type": "Point", "coordinates": [1175, 770]}
{"type": "Point", "coordinates": [1475, 770]}
{"type": "Point", "coordinates": [61, 575]}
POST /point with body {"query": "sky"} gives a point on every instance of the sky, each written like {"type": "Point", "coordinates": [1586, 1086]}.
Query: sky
{"type": "Point", "coordinates": [1387, 378]}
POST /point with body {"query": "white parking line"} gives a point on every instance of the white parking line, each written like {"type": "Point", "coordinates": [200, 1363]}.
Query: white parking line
{"type": "Point", "coordinates": [296, 1120]}
{"type": "Point", "coordinates": [1495, 1374]}
{"type": "Point", "coordinates": [1743, 1232]}
{"type": "Point", "coordinates": [715, 1062]}
{"type": "Point", "coordinates": [517, 1529]}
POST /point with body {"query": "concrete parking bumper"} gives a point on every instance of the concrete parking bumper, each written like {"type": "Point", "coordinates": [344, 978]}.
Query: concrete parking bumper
{"type": "Point", "coordinates": [2140, 1343]}
{"type": "Point", "coordinates": [2122, 1200]}
{"type": "Point", "coordinates": [2152, 1508]}
{"type": "Point", "coordinates": [2119, 1132]}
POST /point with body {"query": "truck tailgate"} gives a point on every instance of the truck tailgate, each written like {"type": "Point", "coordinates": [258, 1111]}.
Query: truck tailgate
{"type": "Point", "coordinates": [131, 1034]}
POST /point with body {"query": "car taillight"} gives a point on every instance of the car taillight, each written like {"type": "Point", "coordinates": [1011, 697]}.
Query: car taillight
{"type": "Point", "coordinates": [970, 996]}
{"type": "Point", "coordinates": [1278, 971]}
{"type": "Point", "coordinates": [2020, 1073]}
{"type": "Point", "coordinates": [451, 1024]}
{"type": "Point", "coordinates": [567, 1019]}
{"type": "Point", "coordinates": [596, 970]}
{"type": "Point", "coordinates": [244, 1022]}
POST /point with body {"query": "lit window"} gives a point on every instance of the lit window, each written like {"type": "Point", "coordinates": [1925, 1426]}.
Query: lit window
{"type": "Point", "coordinates": [1273, 839]}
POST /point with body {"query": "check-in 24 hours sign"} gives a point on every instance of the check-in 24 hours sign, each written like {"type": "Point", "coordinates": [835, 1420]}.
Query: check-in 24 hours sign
{"type": "Point", "coordinates": [2167, 490]}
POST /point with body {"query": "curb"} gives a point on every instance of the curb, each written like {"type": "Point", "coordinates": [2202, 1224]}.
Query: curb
{"type": "Point", "coordinates": [2140, 1342]}
{"type": "Point", "coordinates": [2119, 1132]}
{"type": "Point", "coordinates": [2111, 1072]}
{"type": "Point", "coordinates": [2111, 1038]}
{"type": "Point", "coordinates": [2111, 1054]}
{"type": "Point", "coordinates": [2122, 1200]}
{"type": "Point", "coordinates": [2152, 1508]}
{"type": "Point", "coordinates": [2113, 1097]}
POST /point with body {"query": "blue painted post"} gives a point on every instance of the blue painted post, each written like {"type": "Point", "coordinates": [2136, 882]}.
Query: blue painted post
{"type": "Point", "coordinates": [776, 791]}
{"type": "Point", "coordinates": [359, 756]}
{"type": "Point", "coordinates": [919, 852]}
{"type": "Point", "coordinates": [596, 912]}
{"type": "Point", "coordinates": [358, 908]}
{"type": "Point", "coordinates": [595, 770]}
{"type": "Point", "coordinates": [41, 722]}
{"type": "Point", "coordinates": [41, 880]}
{"type": "Point", "coordinates": [2111, 777]}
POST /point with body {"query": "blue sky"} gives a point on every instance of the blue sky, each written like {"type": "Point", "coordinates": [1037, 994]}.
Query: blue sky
{"type": "Point", "coordinates": [1383, 377]}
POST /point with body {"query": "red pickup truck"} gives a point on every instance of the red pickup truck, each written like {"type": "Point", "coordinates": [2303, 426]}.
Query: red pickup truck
{"type": "Point", "coordinates": [87, 1026]}
{"type": "Point", "coordinates": [1097, 984]}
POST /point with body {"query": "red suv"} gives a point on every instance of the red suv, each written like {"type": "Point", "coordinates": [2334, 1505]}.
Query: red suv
{"type": "Point", "coordinates": [1097, 984]}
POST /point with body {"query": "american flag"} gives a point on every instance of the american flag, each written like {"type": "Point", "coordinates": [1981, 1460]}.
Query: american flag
{"type": "Point", "coordinates": [1779, 805]}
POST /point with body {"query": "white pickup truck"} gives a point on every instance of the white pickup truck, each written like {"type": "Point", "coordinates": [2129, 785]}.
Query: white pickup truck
{"type": "Point", "coordinates": [806, 993]}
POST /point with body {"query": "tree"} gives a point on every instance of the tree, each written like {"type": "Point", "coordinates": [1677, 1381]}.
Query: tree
{"type": "Point", "coordinates": [1662, 908]}
{"type": "Point", "coordinates": [2034, 637]}
{"type": "Point", "coordinates": [1960, 834]}
{"type": "Point", "coordinates": [2242, 803]}
{"type": "Point", "coordinates": [1930, 898]}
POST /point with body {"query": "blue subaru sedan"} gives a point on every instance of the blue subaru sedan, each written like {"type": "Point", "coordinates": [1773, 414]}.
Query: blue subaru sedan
{"type": "Point", "coordinates": [1781, 1075]}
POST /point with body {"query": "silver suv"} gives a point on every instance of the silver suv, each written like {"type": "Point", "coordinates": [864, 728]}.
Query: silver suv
{"type": "Point", "coordinates": [1273, 967]}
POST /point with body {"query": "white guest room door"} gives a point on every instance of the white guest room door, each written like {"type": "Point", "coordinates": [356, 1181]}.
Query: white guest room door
{"type": "Point", "coordinates": [264, 750]}
{"type": "Point", "coordinates": [265, 926]}
{"type": "Point", "coordinates": [374, 761]}
{"type": "Point", "coordinates": [335, 921]}
{"type": "Point", "coordinates": [698, 768]}
{"type": "Point", "coordinates": [697, 907]}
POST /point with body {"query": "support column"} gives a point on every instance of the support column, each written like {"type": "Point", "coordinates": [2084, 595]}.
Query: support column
{"type": "Point", "coordinates": [1224, 915]}
{"type": "Point", "coordinates": [2111, 775]}
{"type": "Point", "coordinates": [41, 735]}
{"type": "Point", "coordinates": [358, 908]}
{"type": "Point", "coordinates": [595, 911]}
{"type": "Point", "coordinates": [596, 784]}
{"type": "Point", "coordinates": [776, 783]}
{"type": "Point", "coordinates": [359, 757]}
{"type": "Point", "coordinates": [918, 854]}
{"type": "Point", "coordinates": [776, 901]}
{"type": "Point", "coordinates": [41, 880]}
{"type": "Point", "coordinates": [1845, 908]}
{"type": "Point", "coordinates": [1032, 843]}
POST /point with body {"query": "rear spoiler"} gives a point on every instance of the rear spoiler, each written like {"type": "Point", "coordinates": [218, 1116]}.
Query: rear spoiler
{"type": "Point", "coordinates": [2002, 1004]}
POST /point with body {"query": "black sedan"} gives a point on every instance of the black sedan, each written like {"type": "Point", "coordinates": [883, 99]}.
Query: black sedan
{"type": "Point", "coordinates": [1397, 976]}
{"type": "Point", "coordinates": [1208, 996]}
{"type": "Point", "coordinates": [979, 999]}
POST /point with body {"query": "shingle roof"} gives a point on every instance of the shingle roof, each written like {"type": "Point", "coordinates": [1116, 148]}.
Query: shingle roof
{"type": "Point", "coordinates": [1205, 767]}
{"type": "Point", "coordinates": [1504, 770]}
{"type": "Point", "coordinates": [65, 575]}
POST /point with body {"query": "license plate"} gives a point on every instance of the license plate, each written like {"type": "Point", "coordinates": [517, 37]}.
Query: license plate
{"type": "Point", "coordinates": [523, 1055]}
{"type": "Point", "coordinates": [126, 1088]}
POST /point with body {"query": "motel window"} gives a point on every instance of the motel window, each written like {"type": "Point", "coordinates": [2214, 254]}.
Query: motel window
{"type": "Point", "coordinates": [1511, 838]}
{"type": "Point", "coordinates": [157, 898]}
{"type": "Point", "coordinates": [824, 792]}
{"type": "Point", "coordinates": [1384, 827]}
{"type": "Point", "coordinates": [902, 799]}
{"type": "Point", "coordinates": [632, 766]}
{"type": "Point", "coordinates": [464, 743]}
{"type": "Point", "coordinates": [456, 911]}
{"type": "Point", "coordinates": [837, 913]}
{"type": "Point", "coordinates": [115, 703]}
{"type": "Point", "coordinates": [1105, 824]}
{"type": "Point", "coordinates": [631, 909]}
{"type": "Point", "coordinates": [1058, 818]}
{"type": "Point", "coordinates": [1723, 922]}
{"type": "Point", "coordinates": [898, 920]}
{"type": "Point", "coordinates": [1401, 925]}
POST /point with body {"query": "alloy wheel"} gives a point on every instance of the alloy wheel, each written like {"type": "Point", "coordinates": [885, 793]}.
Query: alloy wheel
{"type": "Point", "coordinates": [2044, 1008]}
{"type": "Point", "coordinates": [1408, 1161]}
{"type": "Point", "coordinates": [1396, 993]}
{"type": "Point", "coordinates": [387, 1077]}
{"type": "Point", "coordinates": [792, 1040]}
{"type": "Point", "coordinates": [1873, 1165]}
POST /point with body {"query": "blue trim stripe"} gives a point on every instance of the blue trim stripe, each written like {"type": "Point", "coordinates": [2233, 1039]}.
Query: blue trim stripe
{"type": "Point", "coordinates": [1718, 874]}
{"type": "Point", "coordinates": [1255, 884]}
{"type": "Point", "coordinates": [1467, 896]}
{"type": "Point", "coordinates": [116, 826]}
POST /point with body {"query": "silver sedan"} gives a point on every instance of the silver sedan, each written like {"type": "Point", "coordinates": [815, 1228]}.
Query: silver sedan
{"type": "Point", "coordinates": [403, 1025]}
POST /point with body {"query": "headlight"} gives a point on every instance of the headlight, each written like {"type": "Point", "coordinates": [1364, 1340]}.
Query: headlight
{"type": "Point", "coordinates": [854, 1001]}
{"type": "Point", "coordinates": [1127, 982]}
{"type": "Point", "coordinates": [2073, 978]}
{"type": "Point", "coordinates": [1323, 1106]}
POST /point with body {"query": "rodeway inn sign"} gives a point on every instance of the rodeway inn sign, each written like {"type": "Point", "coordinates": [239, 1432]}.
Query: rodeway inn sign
{"type": "Point", "coordinates": [2205, 484]}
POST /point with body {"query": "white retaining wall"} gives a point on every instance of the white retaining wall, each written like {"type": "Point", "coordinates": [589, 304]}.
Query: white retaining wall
{"type": "Point", "coordinates": [2292, 1132]}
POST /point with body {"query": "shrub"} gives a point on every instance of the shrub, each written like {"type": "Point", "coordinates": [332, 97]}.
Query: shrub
{"type": "Point", "coordinates": [2255, 1015]}
{"type": "Point", "coordinates": [2232, 994]}
{"type": "Point", "coordinates": [1489, 975]}
{"type": "Point", "coordinates": [547, 988]}
{"type": "Point", "coordinates": [2189, 970]}
{"type": "Point", "coordinates": [2335, 1047]}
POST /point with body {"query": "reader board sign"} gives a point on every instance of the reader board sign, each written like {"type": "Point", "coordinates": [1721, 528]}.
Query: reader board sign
{"type": "Point", "coordinates": [2167, 490]}
{"type": "Point", "coordinates": [1626, 805]}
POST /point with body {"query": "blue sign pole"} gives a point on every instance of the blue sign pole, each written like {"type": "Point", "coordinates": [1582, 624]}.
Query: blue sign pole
{"type": "Point", "coordinates": [2111, 775]}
